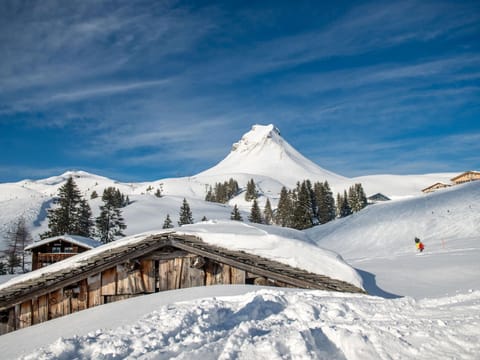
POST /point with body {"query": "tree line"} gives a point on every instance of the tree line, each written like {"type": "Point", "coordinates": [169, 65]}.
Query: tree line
{"type": "Point", "coordinates": [305, 206]}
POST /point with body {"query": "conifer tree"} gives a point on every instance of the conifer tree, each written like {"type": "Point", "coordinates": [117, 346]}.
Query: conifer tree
{"type": "Point", "coordinates": [356, 197]}
{"type": "Point", "coordinates": [93, 195]}
{"type": "Point", "coordinates": [251, 192]}
{"type": "Point", "coordinates": [209, 196]}
{"type": "Point", "coordinates": [255, 213]}
{"type": "Point", "coordinates": [302, 211]}
{"type": "Point", "coordinates": [283, 215]}
{"type": "Point", "coordinates": [168, 224]}
{"type": "Point", "coordinates": [64, 218]}
{"type": "Point", "coordinates": [85, 224]}
{"type": "Point", "coordinates": [325, 202]}
{"type": "Point", "coordinates": [222, 192]}
{"type": "Point", "coordinates": [235, 214]}
{"type": "Point", "coordinates": [268, 213]}
{"type": "Point", "coordinates": [345, 208]}
{"type": "Point", "coordinates": [329, 202]}
{"type": "Point", "coordinates": [110, 223]}
{"type": "Point", "coordinates": [232, 188]}
{"type": "Point", "coordinates": [185, 214]}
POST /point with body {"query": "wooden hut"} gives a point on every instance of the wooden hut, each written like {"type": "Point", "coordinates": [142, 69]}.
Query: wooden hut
{"type": "Point", "coordinates": [466, 177]}
{"type": "Point", "coordinates": [142, 265]}
{"type": "Point", "coordinates": [54, 249]}
{"type": "Point", "coordinates": [378, 197]}
{"type": "Point", "coordinates": [434, 187]}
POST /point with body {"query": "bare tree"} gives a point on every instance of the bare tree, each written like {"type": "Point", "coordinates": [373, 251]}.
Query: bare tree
{"type": "Point", "coordinates": [18, 238]}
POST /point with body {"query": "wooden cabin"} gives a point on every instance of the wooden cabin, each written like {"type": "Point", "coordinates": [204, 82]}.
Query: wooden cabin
{"type": "Point", "coordinates": [51, 250]}
{"type": "Point", "coordinates": [466, 177]}
{"type": "Point", "coordinates": [434, 187]}
{"type": "Point", "coordinates": [143, 265]}
{"type": "Point", "coordinates": [378, 197]}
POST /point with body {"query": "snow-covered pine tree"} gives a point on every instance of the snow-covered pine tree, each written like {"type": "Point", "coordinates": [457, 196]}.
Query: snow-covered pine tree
{"type": "Point", "coordinates": [356, 197]}
{"type": "Point", "coordinates": [110, 223]}
{"type": "Point", "coordinates": [268, 213]}
{"type": "Point", "coordinates": [255, 213]}
{"type": "Point", "coordinates": [235, 214]}
{"type": "Point", "coordinates": [185, 216]}
{"type": "Point", "coordinates": [64, 218]}
{"type": "Point", "coordinates": [167, 224]}
{"type": "Point", "coordinates": [362, 196]}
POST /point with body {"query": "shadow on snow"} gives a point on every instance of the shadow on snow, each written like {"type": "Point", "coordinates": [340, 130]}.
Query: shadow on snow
{"type": "Point", "coordinates": [370, 285]}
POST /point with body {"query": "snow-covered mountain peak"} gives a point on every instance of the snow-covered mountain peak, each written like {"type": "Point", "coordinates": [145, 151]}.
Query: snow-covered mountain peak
{"type": "Point", "coordinates": [259, 135]}
{"type": "Point", "coordinates": [263, 151]}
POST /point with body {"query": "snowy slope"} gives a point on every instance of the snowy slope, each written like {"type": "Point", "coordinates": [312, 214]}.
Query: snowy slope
{"type": "Point", "coordinates": [381, 237]}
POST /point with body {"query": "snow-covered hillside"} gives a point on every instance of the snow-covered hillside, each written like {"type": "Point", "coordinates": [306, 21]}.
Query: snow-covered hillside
{"type": "Point", "coordinates": [425, 306]}
{"type": "Point", "coordinates": [381, 237]}
{"type": "Point", "coordinates": [261, 154]}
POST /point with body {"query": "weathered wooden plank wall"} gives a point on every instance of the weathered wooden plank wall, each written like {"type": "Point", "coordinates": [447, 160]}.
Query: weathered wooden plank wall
{"type": "Point", "coordinates": [123, 281]}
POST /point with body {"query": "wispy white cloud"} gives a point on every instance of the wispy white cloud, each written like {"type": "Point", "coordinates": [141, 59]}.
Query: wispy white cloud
{"type": "Point", "coordinates": [105, 89]}
{"type": "Point", "coordinates": [137, 81]}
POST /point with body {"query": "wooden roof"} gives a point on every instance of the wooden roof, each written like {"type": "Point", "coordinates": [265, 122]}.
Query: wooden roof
{"type": "Point", "coordinates": [477, 173]}
{"type": "Point", "coordinates": [85, 242]}
{"type": "Point", "coordinates": [100, 261]}
{"type": "Point", "coordinates": [437, 185]}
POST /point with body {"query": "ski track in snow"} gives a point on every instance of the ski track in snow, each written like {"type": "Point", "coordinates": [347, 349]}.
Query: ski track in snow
{"type": "Point", "coordinates": [276, 324]}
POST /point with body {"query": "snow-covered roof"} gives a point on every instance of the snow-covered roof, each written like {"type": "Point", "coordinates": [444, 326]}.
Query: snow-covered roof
{"type": "Point", "coordinates": [283, 245]}
{"type": "Point", "coordinates": [74, 239]}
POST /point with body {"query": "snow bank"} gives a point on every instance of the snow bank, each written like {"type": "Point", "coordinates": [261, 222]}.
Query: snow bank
{"type": "Point", "coordinates": [263, 324]}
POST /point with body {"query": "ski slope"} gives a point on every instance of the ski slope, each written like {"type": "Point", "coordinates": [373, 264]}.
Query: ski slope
{"type": "Point", "coordinates": [382, 236]}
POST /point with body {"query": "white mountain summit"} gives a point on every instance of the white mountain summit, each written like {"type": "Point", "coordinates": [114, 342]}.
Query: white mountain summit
{"type": "Point", "coordinates": [262, 151]}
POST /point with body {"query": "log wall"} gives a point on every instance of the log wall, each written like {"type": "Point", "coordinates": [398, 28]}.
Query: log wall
{"type": "Point", "coordinates": [133, 278]}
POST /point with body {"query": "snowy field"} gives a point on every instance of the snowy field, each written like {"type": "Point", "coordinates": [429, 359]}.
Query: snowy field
{"type": "Point", "coordinates": [421, 306]}
{"type": "Point", "coordinates": [426, 306]}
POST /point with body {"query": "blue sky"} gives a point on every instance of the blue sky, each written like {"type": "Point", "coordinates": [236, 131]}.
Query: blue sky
{"type": "Point", "coordinates": [143, 90]}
